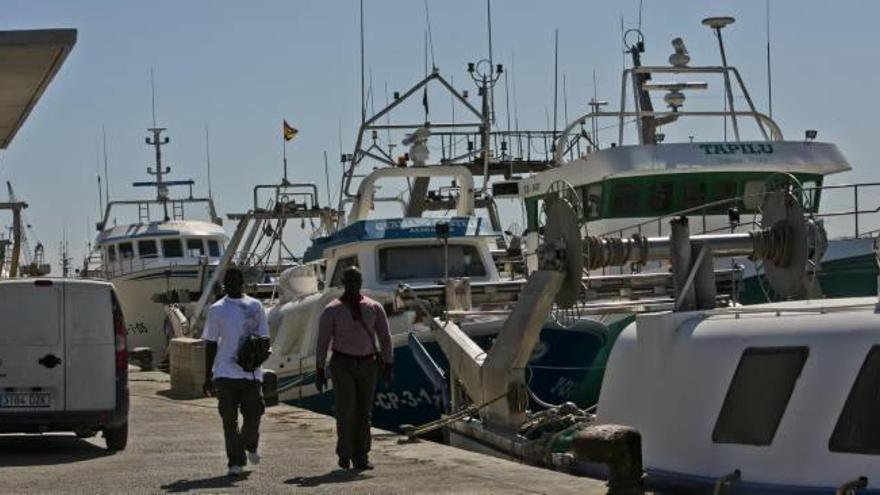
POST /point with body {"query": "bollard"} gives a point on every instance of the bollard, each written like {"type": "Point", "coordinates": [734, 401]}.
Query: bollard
{"type": "Point", "coordinates": [620, 448]}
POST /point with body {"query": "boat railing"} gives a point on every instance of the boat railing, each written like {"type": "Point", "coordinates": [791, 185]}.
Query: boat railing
{"type": "Point", "coordinates": [177, 211]}
{"type": "Point", "coordinates": [127, 266]}
{"type": "Point", "coordinates": [562, 146]}
{"type": "Point", "coordinates": [853, 195]}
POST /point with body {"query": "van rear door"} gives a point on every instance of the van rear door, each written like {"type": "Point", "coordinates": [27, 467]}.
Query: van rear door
{"type": "Point", "coordinates": [32, 370]}
{"type": "Point", "coordinates": [91, 347]}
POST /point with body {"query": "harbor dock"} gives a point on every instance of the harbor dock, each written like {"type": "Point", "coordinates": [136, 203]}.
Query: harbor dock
{"type": "Point", "coordinates": [176, 446]}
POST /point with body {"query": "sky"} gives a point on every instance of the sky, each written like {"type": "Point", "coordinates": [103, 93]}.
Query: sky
{"type": "Point", "coordinates": [239, 68]}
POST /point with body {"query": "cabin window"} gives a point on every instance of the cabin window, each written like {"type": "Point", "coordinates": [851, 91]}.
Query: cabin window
{"type": "Point", "coordinates": [341, 265]}
{"type": "Point", "coordinates": [694, 195]}
{"type": "Point", "coordinates": [172, 248]}
{"type": "Point", "coordinates": [724, 190]}
{"type": "Point", "coordinates": [148, 249]}
{"type": "Point", "coordinates": [427, 262]}
{"type": "Point", "coordinates": [753, 194]}
{"type": "Point", "coordinates": [195, 248]}
{"type": "Point", "coordinates": [660, 197]}
{"type": "Point", "coordinates": [213, 248]}
{"type": "Point", "coordinates": [532, 214]}
{"type": "Point", "coordinates": [625, 200]}
{"type": "Point", "coordinates": [126, 250]}
{"type": "Point", "coordinates": [858, 429]}
{"type": "Point", "coordinates": [758, 395]}
{"type": "Point", "coordinates": [111, 252]}
{"type": "Point", "coordinates": [592, 200]}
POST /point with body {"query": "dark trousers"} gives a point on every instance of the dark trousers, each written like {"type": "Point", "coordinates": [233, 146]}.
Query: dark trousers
{"type": "Point", "coordinates": [234, 395]}
{"type": "Point", "coordinates": [354, 383]}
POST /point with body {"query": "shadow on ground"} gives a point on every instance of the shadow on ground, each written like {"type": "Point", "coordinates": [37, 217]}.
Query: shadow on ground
{"type": "Point", "coordinates": [46, 450]}
{"type": "Point", "coordinates": [335, 476]}
{"type": "Point", "coordinates": [214, 483]}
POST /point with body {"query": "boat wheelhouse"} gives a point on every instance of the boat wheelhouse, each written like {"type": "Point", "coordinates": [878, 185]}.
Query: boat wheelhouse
{"type": "Point", "coordinates": [627, 183]}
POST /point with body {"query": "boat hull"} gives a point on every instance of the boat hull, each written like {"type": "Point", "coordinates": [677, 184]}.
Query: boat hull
{"type": "Point", "coordinates": [562, 359]}
{"type": "Point", "coordinates": [145, 319]}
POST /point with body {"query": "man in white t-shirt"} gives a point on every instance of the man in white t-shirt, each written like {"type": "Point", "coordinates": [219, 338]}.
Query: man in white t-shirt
{"type": "Point", "coordinates": [229, 321]}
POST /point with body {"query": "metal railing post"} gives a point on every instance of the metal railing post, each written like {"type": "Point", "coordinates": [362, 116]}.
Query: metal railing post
{"type": "Point", "coordinates": [856, 208]}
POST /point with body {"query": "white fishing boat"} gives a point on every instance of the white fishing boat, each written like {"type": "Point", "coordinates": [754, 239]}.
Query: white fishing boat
{"type": "Point", "coordinates": [160, 250]}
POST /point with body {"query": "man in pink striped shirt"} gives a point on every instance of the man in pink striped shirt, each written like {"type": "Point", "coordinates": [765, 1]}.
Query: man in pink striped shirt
{"type": "Point", "coordinates": [353, 323]}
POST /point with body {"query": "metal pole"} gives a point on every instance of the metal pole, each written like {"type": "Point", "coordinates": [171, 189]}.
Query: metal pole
{"type": "Point", "coordinates": [727, 88]}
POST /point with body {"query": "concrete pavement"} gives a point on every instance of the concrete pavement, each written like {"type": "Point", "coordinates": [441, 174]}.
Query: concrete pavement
{"type": "Point", "coordinates": [177, 446]}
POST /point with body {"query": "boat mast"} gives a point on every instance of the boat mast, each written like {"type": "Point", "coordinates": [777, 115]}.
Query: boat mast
{"type": "Point", "coordinates": [161, 188]}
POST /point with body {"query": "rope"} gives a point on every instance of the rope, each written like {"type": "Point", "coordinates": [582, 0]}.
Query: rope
{"type": "Point", "coordinates": [440, 423]}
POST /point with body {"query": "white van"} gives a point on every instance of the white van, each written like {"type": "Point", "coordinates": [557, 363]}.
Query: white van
{"type": "Point", "coordinates": [63, 361]}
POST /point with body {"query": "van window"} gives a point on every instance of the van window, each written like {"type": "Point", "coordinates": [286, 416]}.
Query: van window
{"type": "Point", "coordinates": [148, 249]}
{"type": "Point", "coordinates": [427, 262]}
{"type": "Point", "coordinates": [213, 248]}
{"type": "Point", "coordinates": [758, 395]}
{"type": "Point", "coordinates": [126, 250]}
{"type": "Point", "coordinates": [195, 248]}
{"type": "Point", "coordinates": [111, 252]}
{"type": "Point", "coordinates": [858, 430]}
{"type": "Point", "coordinates": [22, 323]}
{"type": "Point", "coordinates": [172, 248]}
{"type": "Point", "coordinates": [341, 265]}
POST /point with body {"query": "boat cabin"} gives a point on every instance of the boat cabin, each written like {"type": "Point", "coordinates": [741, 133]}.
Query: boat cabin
{"type": "Point", "coordinates": [407, 250]}
{"type": "Point", "coordinates": [785, 393]}
{"type": "Point", "coordinates": [137, 247]}
{"type": "Point", "coordinates": [661, 162]}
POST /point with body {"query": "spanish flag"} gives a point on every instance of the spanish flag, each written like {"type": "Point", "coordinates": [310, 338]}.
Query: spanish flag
{"type": "Point", "coordinates": [289, 132]}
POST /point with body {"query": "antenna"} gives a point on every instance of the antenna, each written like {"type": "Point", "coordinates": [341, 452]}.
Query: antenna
{"type": "Point", "coordinates": [326, 176]}
{"type": "Point", "coordinates": [769, 79]}
{"type": "Point", "coordinates": [491, 60]}
{"type": "Point", "coordinates": [641, 3]}
{"type": "Point", "coordinates": [106, 180]}
{"type": "Point", "coordinates": [717, 24]}
{"type": "Point", "coordinates": [555, 86]}
{"type": "Point", "coordinates": [363, 94]}
{"type": "Point", "coordinates": [153, 94]}
{"type": "Point", "coordinates": [564, 99]}
{"type": "Point", "coordinates": [208, 160]}
{"type": "Point", "coordinates": [98, 175]}
{"type": "Point", "coordinates": [515, 104]}
{"type": "Point", "coordinates": [430, 36]}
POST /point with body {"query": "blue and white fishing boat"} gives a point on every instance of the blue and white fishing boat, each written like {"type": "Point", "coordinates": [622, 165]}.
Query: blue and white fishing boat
{"type": "Point", "coordinates": [407, 250]}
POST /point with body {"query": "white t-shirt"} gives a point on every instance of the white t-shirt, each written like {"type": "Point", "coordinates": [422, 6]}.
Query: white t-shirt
{"type": "Point", "coordinates": [229, 322]}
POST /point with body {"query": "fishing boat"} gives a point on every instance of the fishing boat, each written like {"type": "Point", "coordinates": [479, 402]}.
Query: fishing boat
{"type": "Point", "coordinates": [625, 188]}
{"type": "Point", "coordinates": [697, 397]}
{"type": "Point", "coordinates": [162, 249]}
{"type": "Point", "coordinates": [435, 256]}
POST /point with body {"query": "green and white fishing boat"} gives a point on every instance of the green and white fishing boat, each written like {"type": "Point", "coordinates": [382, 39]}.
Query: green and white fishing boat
{"type": "Point", "coordinates": [632, 186]}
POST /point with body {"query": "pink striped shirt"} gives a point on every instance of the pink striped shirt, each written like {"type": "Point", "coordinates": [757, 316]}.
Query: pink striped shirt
{"type": "Point", "coordinates": [349, 336]}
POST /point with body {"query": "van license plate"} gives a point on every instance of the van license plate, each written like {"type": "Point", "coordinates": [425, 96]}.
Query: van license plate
{"type": "Point", "coordinates": [24, 400]}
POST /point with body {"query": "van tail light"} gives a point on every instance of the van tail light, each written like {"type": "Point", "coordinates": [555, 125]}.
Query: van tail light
{"type": "Point", "coordinates": [121, 334]}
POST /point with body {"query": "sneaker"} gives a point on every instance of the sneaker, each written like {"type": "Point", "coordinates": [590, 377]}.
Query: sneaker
{"type": "Point", "coordinates": [363, 466]}
{"type": "Point", "coordinates": [235, 471]}
{"type": "Point", "coordinates": [253, 458]}
{"type": "Point", "coordinates": [344, 463]}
